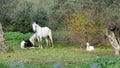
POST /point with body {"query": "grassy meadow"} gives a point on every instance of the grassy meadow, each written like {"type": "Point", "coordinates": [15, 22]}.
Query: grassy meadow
{"type": "Point", "coordinates": [58, 57]}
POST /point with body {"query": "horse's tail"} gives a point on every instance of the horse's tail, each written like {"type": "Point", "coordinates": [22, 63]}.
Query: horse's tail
{"type": "Point", "coordinates": [50, 37]}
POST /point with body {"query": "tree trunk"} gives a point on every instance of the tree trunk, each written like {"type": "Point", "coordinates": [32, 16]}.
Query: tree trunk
{"type": "Point", "coordinates": [113, 41]}
{"type": "Point", "coordinates": [3, 46]}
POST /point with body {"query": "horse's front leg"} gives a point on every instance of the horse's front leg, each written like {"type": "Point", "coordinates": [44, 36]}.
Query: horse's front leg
{"type": "Point", "coordinates": [40, 41]}
{"type": "Point", "coordinates": [46, 39]}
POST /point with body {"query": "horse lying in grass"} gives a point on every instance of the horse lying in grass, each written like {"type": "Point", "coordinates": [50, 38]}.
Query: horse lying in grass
{"type": "Point", "coordinates": [43, 32]}
{"type": "Point", "coordinates": [29, 43]}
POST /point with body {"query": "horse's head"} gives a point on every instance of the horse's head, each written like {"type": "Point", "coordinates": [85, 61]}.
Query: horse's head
{"type": "Point", "coordinates": [34, 25]}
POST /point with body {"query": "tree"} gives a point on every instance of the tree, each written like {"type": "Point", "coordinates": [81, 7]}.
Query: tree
{"type": "Point", "coordinates": [83, 25]}
{"type": "Point", "coordinates": [3, 46]}
{"type": "Point", "coordinates": [113, 34]}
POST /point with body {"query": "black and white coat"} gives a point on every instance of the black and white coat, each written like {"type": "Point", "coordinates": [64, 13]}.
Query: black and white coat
{"type": "Point", "coordinates": [28, 43]}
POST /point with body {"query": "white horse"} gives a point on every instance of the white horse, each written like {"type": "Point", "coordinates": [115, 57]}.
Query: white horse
{"type": "Point", "coordinates": [43, 32]}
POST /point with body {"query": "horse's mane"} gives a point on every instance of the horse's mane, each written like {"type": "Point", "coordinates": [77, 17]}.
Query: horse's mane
{"type": "Point", "coordinates": [38, 26]}
{"type": "Point", "coordinates": [35, 26]}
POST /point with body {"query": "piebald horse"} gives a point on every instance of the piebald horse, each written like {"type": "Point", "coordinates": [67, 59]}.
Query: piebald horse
{"type": "Point", "coordinates": [29, 43]}
{"type": "Point", "coordinates": [43, 32]}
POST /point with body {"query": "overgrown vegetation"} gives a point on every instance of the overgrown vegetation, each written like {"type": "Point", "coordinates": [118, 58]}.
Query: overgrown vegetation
{"type": "Point", "coordinates": [4, 65]}
{"type": "Point", "coordinates": [13, 39]}
{"type": "Point", "coordinates": [60, 56]}
{"type": "Point", "coordinates": [111, 62]}
{"type": "Point", "coordinates": [62, 15]}
{"type": "Point", "coordinates": [73, 22]}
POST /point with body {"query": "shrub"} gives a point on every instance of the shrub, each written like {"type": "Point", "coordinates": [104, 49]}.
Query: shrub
{"type": "Point", "coordinates": [14, 39]}
{"type": "Point", "coordinates": [3, 65]}
{"type": "Point", "coordinates": [109, 62]}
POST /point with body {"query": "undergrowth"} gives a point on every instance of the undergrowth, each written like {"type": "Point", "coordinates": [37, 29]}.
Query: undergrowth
{"type": "Point", "coordinates": [62, 56]}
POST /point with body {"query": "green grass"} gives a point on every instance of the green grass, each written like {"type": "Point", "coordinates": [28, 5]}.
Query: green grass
{"type": "Point", "coordinates": [66, 57]}
{"type": "Point", "coordinates": [69, 57]}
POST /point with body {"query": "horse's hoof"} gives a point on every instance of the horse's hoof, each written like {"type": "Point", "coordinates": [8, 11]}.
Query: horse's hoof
{"type": "Point", "coordinates": [40, 47]}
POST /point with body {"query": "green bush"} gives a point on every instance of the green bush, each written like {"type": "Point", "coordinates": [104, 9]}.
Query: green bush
{"type": "Point", "coordinates": [59, 37]}
{"type": "Point", "coordinates": [4, 65]}
{"type": "Point", "coordinates": [17, 36]}
{"type": "Point", "coordinates": [14, 39]}
{"type": "Point", "coordinates": [109, 62]}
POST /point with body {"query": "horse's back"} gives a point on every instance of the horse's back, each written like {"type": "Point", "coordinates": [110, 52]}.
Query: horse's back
{"type": "Point", "coordinates": [45, 31]}
{"type": "Point", "coordinates": [45, 28]}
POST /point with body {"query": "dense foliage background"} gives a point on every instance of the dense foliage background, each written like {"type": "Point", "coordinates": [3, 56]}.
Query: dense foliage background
{"type": "Point", "coordinates": [73, 22]}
